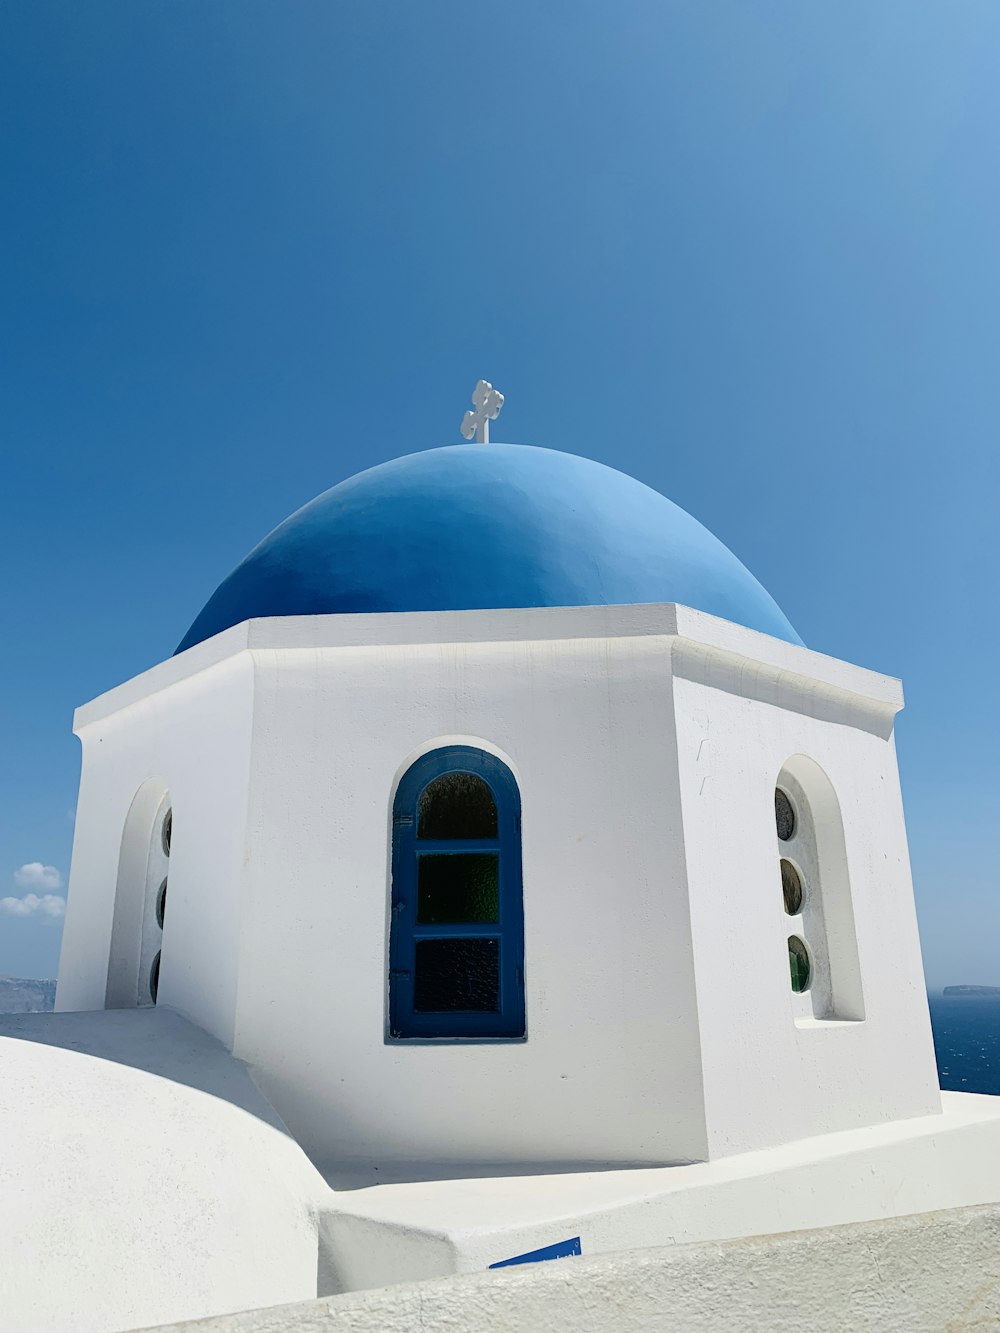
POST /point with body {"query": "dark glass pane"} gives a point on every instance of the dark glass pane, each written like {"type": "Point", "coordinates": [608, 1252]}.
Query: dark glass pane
{"type": "Point", "coordinates": [784, 815]}
{"type": "Point", "coordinates": [798, 961]}
{"type": "Point", "coordinates": [167, 830]}
{"type": "Point", "coordinates": [457, 805]}
{"type": "Point", "coordinates": [452, 975]}
{"type": "Point", "coordinates": [791, 888]}
{"type": "Point", "coordinates": [460, 886]}
{"type": "Point", "coordinates": [154, 978]}
{"type": "Point", "coordinates": [161, 903]}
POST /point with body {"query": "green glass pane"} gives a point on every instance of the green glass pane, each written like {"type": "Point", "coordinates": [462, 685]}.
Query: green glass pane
{"type": "Point", "coordinates": [457, 805]}
{"type": "Point", "coordinates": [459, 887]}
{"type": "Point", "coordinates": [798, 961]}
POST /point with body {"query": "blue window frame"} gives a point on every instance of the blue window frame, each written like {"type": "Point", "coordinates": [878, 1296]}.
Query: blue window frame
{"type": "Point", "coordinates": [456, 938]}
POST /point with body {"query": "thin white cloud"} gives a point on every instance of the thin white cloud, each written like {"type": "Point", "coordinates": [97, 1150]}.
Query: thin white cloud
{"type": "Point", "coordinates": [49, 906]}
{"type": "Point", "coordinates": [36, 876]}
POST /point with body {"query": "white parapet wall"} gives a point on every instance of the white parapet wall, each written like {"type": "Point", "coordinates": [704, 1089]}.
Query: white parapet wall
{"type": "Point", "coordinates": [921, 1274]}
{"type": "Point", "coordinates": [142, 1177]}
{"type": "Point", "coordinates": [404, 1232]}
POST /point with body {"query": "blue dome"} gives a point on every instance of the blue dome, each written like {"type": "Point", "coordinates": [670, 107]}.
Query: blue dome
{"type": "Point", "coordinates": [481, 526]}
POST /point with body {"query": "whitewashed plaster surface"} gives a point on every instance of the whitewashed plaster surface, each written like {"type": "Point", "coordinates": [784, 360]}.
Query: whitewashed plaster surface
{"type": "Point", "coordinates": [920, 1274]}
{"type": "Point", "coordinates": [646, 741]}
{"type": "Point", "coordinates": [193, 743]}
{"type": "Point", "coordinates": [400, 1232]}
{"type": "Point", "coordinates": [146, 1178]}
{"type": "Point", "coordinates": [772, 1071]}
{"type": "Point", "coordinates": [142, 1177]}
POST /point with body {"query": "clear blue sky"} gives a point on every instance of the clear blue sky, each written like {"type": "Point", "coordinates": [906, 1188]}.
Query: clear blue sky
{"type": "Point", "coordinates": [747, 252]}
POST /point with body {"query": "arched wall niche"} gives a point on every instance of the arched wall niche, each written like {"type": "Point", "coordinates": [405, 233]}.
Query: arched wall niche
{"type": "Point", "coordinates": [818, 852]}
{"type": "Point", "coordinates": [137, 932]}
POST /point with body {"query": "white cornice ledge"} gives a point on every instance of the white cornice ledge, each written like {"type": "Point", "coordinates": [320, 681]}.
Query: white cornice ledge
{"type": "Point", "coordinates": [727, 657]}
{"type": "Point", "coordinates": [705, 648]}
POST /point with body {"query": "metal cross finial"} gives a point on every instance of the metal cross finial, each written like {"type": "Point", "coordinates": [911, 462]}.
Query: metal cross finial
{"type": "Point", "coordinates": [487, 402]}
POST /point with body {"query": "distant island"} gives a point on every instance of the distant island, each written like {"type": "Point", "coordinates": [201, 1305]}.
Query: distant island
{"type": "Point", "coordinates": [21, 996]}
{"type": "Point", "coordinates": [971, 990]}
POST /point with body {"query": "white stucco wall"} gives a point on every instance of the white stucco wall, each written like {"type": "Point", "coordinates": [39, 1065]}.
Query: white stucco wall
{"type": "Point", "coordinates": [922, 1274]}
{"type": "Point", "coordinates": [646, 742]}
{"type": "Point", "coordinates": [191, 740]}
{"type": "Point", "coordinates": [394, 1232]}
{"type": "Point", "coordinates": [774, 1072]}
{"type": "Point", "coordinates": [143, 1177]}
{"type": "Point", "coordinates": [584, 725]}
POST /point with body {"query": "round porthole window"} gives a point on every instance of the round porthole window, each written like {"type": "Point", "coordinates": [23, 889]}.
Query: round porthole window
{"type": "Point", "coordinates": [154, 978]}
{"type": "Point", "coordinates": [168, 828]}
{"type": "Point", "coordinates": [784, 814]}
{"type": "Point", "coordinates": [161, 903]}
{"type": "Point", "coordinates": [791, 888]}
{"type": "Point", "coordinates": [798, 961]}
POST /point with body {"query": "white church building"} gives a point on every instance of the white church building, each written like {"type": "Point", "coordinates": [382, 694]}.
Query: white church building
{"type": "Point", "coordinates": [491, 872]}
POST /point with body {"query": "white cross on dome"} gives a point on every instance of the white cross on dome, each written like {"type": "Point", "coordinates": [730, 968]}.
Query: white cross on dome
{"type": "Point", "coordinates": [487, 401]}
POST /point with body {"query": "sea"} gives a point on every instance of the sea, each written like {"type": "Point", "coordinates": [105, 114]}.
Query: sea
{"type": "Point", "coordinates": [967, 1041]}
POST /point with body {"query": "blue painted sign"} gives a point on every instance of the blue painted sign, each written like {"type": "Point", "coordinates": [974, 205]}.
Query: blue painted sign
{"type": "Point", "coordinates": [561, 1250]}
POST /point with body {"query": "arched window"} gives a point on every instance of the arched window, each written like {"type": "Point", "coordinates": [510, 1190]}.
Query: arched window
{"type": "Point", "coordinates": [456, 940]}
